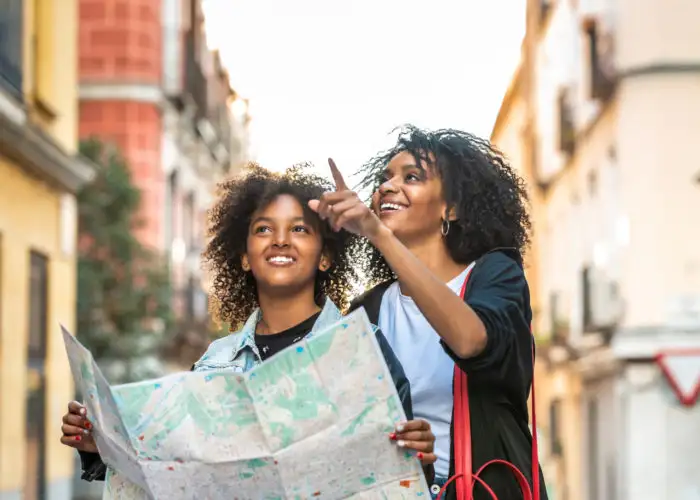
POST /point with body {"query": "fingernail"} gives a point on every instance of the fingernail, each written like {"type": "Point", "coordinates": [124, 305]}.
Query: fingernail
{"type": "Point", "coordinates": [78, 438]}
{"type": "Point", "coordinates": [86, 432]}
{"type": "Point", "coordinates": [399, 428]}
{"type": "Point", "coordinates": [83, 411]}
{"type": "Point", "coordinates": [401, 443]}
{"type": "Point", "coordinates": [88, 425]}
{"type": "Point", "coordinates": [420, 455]}
{"type": "Point", "coordinates": [392, 436]}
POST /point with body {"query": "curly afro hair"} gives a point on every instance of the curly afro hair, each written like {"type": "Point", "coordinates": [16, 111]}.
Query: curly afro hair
{"type": "Point", "coordinates": [489, 199]}
{"type": "Point", "coordinates": [234, 290]}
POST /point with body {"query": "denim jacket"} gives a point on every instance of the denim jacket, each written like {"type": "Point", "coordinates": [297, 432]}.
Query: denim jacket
{"type": "Point", "coordinates": [239, 353]}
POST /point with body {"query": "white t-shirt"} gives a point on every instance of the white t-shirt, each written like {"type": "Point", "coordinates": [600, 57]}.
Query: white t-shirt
{"type": "Point", "coordinates": [428, 367]}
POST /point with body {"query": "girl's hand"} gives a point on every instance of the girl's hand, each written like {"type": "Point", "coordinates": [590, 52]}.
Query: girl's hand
{"type": "Point", "coordinates": [344, 210]}
{"type": "Point", "coordinates": [76, 429]}
{"type": "Point", "coordinates": [416, 435]}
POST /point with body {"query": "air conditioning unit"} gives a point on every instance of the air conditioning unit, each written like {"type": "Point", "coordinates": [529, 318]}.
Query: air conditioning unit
{"type": "Point", "coordinates": [606, 303]}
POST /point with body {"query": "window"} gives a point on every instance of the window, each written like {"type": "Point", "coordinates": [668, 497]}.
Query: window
{"type": "Point", "coordinates": [554, 431]}
{"type": "Point", "coordinates": [592, 424]}
{"type": "Point", "coordinates": [600, 57]}
{"type": "Point", "coordinates": [35, 426]}
{"type": "Point", "coordinates": [38, 306]}
{"type": "Point", "coordinates": [586, 298]}
{"type": "Point", "coordinates": [189, 229]}
{"type": "Point", "coordinates": [567, 127]}
{"type": "Point", "coordinates": [545, 7]}
{"type": "Point", "coordinates": [11, 23]}
{"type": "Point", "coordinates": [170, 207]}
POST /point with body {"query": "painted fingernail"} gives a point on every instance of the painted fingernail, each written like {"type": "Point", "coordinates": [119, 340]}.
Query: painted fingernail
{"type": "Point", "coordinates": [399, 427]}
{"type": "Point", "coordinates": [88, 425]}
{"type": "Point", "coordinates": [86, 432]}
{"type": "Point", "coordinates": [420, 455]}
{"type": "Point", "coordinates": [392, 436]}
{"type": "Point", "coordinates": [78, 438]}
{"type": "Point", "coordinates": [401, 443]}
{"type": "Point", "coordinates": [83, 411]}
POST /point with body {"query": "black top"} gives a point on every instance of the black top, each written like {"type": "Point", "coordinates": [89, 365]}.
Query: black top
{"type": "Point", "coordinates": [271, 344]}
{"type": "Point", "coordinates": [500, 377]}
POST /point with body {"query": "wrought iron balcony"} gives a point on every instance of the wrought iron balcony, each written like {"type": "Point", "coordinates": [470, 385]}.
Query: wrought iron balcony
{"type": "Point", "coordinates": [11, 46]}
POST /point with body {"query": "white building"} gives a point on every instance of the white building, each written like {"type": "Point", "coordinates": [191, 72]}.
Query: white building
{"type": "Point", "coordinates": [612, 93]}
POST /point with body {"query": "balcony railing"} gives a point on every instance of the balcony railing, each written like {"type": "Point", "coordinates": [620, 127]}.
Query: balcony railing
{"type": "Point", "coordinates": [11, 46]}
{"type": "Point", "coordinates": [195, 81]}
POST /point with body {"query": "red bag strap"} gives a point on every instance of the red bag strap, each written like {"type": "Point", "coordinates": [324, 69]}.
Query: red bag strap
{"type": "Point", "coordinates": [464, 477]}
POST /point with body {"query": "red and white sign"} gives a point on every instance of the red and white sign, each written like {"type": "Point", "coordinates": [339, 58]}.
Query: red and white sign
{"type": "Point", "coordinates": [682, 370]}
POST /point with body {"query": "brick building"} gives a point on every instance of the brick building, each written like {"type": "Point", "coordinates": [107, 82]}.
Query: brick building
{"type": "Point", "coordinates": [150, 85]}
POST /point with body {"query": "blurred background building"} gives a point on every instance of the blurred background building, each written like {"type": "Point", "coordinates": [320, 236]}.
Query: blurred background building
{"type": "Point", "coordinates": [39, 176]}
{"type": "Point", "coordinates": [150, 84]}
{"type": "Point", "coordinates": [136, 74]}
{"type": "Point", "coordinates": [602, 117]}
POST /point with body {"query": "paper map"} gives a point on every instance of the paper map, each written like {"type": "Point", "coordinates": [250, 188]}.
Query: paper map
{"type": "Point", "coordinates": [312, 422]}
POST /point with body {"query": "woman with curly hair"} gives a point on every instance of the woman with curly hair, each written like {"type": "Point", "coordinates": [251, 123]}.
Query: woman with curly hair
{"type": "Point", "coordinates": [279, 275]}
{"type": "Point", "coordinates": [447, 211]}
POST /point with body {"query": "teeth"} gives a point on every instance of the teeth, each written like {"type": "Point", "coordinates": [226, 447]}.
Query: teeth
{"type": "Point", "coordinates": [281, 260]}
{"type": "Point", "coordinates": [390, 206]}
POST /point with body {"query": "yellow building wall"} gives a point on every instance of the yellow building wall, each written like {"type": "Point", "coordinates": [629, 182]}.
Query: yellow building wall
{"type": "Point", "coordinates": [51, 68]}
{"type": "Point", "coordinates": [29, 220]}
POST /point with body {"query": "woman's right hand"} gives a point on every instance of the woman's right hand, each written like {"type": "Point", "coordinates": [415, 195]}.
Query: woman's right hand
{"type": "Point", "coordinates": [77, 429]}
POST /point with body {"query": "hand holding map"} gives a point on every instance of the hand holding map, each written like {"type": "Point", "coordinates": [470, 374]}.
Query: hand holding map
{"type": "Point", "coordinates": [311, 422]}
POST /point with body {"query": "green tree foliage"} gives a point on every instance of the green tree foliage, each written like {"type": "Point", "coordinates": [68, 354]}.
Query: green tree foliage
{"type": "Point", "coordinates": [124, 293]}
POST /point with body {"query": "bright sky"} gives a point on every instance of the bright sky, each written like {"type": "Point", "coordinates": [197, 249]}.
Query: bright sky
{"type": "Point", "coordinates": [333, 78]}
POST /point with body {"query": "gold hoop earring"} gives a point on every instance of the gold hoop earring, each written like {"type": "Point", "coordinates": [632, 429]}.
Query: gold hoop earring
{"type": "Point", "coordinates": [445, 227]}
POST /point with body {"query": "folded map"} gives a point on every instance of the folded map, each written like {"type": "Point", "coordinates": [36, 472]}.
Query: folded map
{"type": "Point", "coordinates": [312, 422]}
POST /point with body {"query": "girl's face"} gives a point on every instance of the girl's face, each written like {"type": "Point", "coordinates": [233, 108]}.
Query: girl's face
{"type": "Point", "coordinates": [284, 249]}
{"type": "Point", "coordinates": [409, 201]}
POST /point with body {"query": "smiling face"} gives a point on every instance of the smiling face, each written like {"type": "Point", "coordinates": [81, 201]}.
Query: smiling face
{"type": "Point", "coordinates": [284, 248]}
{"type": "Point", "coordinates": [409, 200]}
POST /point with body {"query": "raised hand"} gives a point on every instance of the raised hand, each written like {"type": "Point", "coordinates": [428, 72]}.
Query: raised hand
{"type": "Point", "coordinates": [77, 429]}
{"type": "Point", "coordinates": [344, 209]}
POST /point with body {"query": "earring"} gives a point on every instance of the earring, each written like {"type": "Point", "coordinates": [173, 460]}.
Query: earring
{"type": "Point", "coordinates": [445, 227]}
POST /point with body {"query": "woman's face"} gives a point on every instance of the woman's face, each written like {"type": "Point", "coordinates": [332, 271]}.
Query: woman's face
{"type": "Point", "coordinates": [409, 201]}
{"type": "Point", "coordinates": [284, 250]}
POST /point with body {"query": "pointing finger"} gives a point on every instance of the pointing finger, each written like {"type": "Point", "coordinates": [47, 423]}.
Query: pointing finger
{"type": "Point", "coordinates": [337, 176]}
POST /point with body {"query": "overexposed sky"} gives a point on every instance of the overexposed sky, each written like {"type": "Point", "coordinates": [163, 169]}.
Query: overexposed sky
{"type": "Point", "coordinates": [332, 78]}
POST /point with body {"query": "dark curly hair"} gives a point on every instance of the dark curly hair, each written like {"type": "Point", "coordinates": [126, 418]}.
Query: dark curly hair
{"type": "Point", "coordinates": [489, 199]}
{"type": "Point", "coordinates": [234, 290]}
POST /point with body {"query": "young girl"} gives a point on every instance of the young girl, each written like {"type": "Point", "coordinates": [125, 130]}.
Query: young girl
{"type": "Point", "coordinates": [444, 204]}
{"type": "Point", "coordinates": [278, 272]}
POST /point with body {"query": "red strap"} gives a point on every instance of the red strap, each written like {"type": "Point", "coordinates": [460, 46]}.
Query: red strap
{"type": "Point", "coordinates": [464, 478]}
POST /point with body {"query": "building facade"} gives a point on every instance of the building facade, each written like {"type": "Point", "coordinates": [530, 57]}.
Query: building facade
{"type": "Point", "coordinates": [612, 92]}
{"type": "Point", "coordinates": [150, 84]}
{"type": "Point", "coordinates": [40, 173]}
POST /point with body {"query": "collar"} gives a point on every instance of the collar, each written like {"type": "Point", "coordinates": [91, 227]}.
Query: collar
{"type": "Point", "coordinates": [329, 315]}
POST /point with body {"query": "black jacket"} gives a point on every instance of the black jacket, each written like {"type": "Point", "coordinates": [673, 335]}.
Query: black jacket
{"type": "Point", "coordinates": [500, 377]}
{"type": "Point", "coordinates": [95, 470]}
